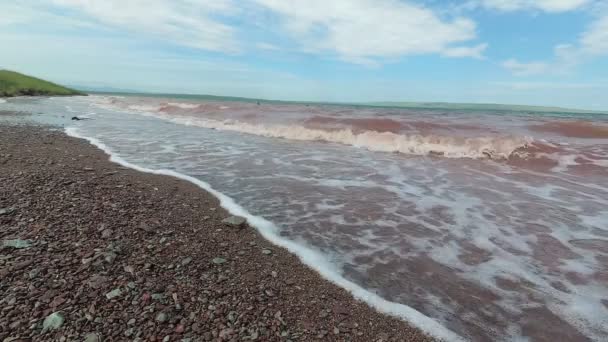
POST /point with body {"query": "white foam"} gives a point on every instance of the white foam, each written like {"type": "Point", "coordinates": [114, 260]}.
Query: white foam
{"type": "Point", "coordinates": [307, 255]}
{"type": "Point", "coordinates": [183, 105]}
{"type": "Point", "coordinates": [2, 101]}
{"type": "Point", "coordinates": [447, 146]}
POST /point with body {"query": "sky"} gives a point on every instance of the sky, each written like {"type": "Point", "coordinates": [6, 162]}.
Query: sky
{"type": "Point", "coordinates": [534, 52]}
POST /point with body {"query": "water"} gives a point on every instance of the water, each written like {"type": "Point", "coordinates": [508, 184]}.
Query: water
{"type": "Point", "coordinates": [493, 224]}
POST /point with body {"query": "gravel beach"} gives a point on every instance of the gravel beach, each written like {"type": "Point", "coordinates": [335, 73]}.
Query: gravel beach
{"type": "Point", "coordinates": [93, 251]}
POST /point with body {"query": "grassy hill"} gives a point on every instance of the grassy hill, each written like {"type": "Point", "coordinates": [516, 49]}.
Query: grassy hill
{"type": "Point", "coordinates": [16, 84]}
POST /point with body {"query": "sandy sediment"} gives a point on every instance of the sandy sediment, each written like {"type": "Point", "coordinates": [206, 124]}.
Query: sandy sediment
{"type": "Point", "coordinates": [123, 255]}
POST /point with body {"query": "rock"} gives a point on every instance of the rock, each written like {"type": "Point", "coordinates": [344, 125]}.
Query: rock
{"type": "Point", "coordinates": [92, 337]}
{"type": "Point", "coordinates": [6, 211]}
{"type": "Point", "coordinates": [114, 293]}
{"type": "Point", "coordinates": [106, 233]}
{"type": "Point", "coordinates": [219, 261]}
{"type": "Point", "coordinates": [129, 269]}
{"type": "Point", "coordinates": [383, 337]}
{"type": "Point", "coordinates": [110, 257]}
{"type": "Point", "coordinates": [186, 261]}
{"type": "Point", "coordinates": [157, 296]}
{"type": "Point", "coordinates": [234, 221]}
{"type": "Point", "coordinates": [161, 317]}
{"type": "Point", "coordinates": [53, 321]}
{"type": "Point", "coordinates": [97, 281]}
{"type": "Point", "coordinates": [128, 332]}
{"type": "Point", "coordinates": [17, 243]}
{"type": "Point", "coordinates": [266, 251]}
{"type": "Point", "coordinates": [131, 321]}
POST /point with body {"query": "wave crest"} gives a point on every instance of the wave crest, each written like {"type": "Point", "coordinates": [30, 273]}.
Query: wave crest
{"type": "Point", "coordinates": [447, 146]}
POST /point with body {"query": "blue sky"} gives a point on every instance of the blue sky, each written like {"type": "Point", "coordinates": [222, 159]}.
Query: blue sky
{"type": "Point", "coordinates": [542, 52]}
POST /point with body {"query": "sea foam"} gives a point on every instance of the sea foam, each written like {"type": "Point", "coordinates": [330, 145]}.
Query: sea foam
{"type": "Point", "coordinates": [499, 147]}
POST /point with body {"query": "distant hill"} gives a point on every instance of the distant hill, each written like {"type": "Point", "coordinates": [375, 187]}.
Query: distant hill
{"type": "Point", "coordinates": [15, 84]}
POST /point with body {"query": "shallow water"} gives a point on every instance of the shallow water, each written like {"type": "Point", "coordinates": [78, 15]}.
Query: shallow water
{"type": "Point", "coordinates": [493, 224]}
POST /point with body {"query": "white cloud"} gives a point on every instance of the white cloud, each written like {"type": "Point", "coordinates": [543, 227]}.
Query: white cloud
{"type": "Point", "coordinates": [185, 22]}
{"type": "Point", "coordinates": [527, 68]}
{"type": "Point", "coordinates": [553, 6]}
{"type": "Point", "coordinates": [361, 31]}
{"type": "Point", "coordinates": [466, 51]}
{"type": "Point", "coordinates": [358, 31]}
{"type": "Point", "coordinates": [594, 40]}
{"type": "Point", "coordinates": [592, 43]}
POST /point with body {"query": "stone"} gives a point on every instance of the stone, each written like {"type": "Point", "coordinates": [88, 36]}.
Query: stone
{"type": "Point", "coordinates": [158, 296]}
{"type": "Point", "coordinates": [53, 321]}
{"type": "Point", "coordinates": [266, 251]}
{"type": "Point", "coordinates": [92, 337]}
{"type": "Point", "coordinates": [17, 243]}
{"type": "Point", "coordinates": [131, 321]}
{"type": "Point", "coordinates": [186, 261]}
{"type": "Point", "coordinates": [234, 221]}
{"type": "Point", "coordinates": [106, 233]}
{"type": "Point", "coordinates": [128, 332]}
{"type": "Point", "coordinates": [110, 257]}
{"type": "Point", "coordinates": [219, 261]}
{"type": "Point", "coordinates": [6, 211]}
{"type": "Point", "coordinates": [161, 317]}
{"type": "Point", "coordinates": [114, 293]}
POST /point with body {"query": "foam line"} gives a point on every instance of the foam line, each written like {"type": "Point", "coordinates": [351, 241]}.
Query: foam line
{"type": "Point", "coordinates": [308, 256]}
{"type": "Point", "coordinates": [447, 146]}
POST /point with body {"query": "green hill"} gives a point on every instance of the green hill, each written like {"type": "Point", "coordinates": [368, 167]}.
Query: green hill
{"type": "Point", "coordinates": [16, 84]}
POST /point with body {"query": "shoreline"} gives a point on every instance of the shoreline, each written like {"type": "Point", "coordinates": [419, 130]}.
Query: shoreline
{"type": "Point", "coordinates": [97, 229]}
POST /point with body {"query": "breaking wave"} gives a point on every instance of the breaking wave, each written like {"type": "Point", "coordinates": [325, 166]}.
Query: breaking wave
{"type": "Point", "coordinates": [374, 134]}
{"type": "Point", "coordinates": [497, 148]}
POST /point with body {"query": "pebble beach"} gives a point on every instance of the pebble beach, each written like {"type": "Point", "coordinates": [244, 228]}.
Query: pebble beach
{"type": "Point", "coordinates": [93, 251]}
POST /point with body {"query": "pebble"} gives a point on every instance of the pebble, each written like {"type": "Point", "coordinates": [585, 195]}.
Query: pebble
{"type": "Point", "coordinates": [53, 321]}
{"type": "Point", "coordinates": [92, 337]}
{"type": "Point", "coordinates": [266, 251]}
{"type": "Point", "coordinates": [161, 317]}
{"type": "Point", "coordinates": [17, 243]}
{"type": "Point", "coordinates": [6, 211]}
{"type": "Point", "coordinates": [186, 261]}
{"type": "Point", "coordinates": [114, 293]}
{"type": "Point", "coordinates": [234, 221]}
{"type": "Point", "coordinates": [129, 332]}
{"type": "Point", "coordinates": [219, 261]}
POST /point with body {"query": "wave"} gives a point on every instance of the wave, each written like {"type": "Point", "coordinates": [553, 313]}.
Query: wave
{"type": "Point", "coordinates": [574, 129]}
{"type": "Point", "coordinates": [184, 105]}
{"type": "Point", "coordinates": [496, 148]}
{"type": "Point", "coordinates": [310, 257]}
{"type": "Point", "coordinates": [374, 134]}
